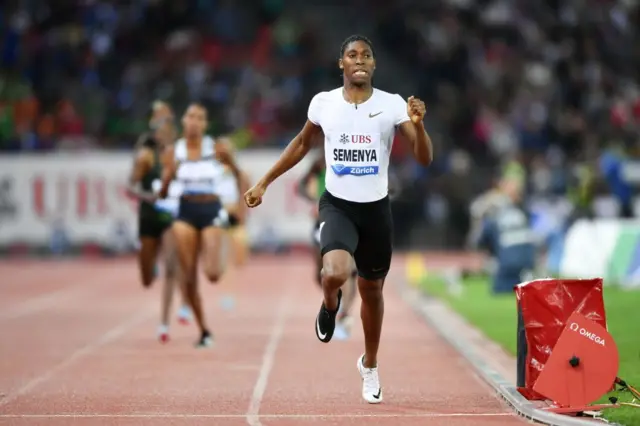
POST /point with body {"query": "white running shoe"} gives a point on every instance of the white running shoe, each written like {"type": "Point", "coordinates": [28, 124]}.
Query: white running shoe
{"type": "Point", "coordinates": [371, 390]}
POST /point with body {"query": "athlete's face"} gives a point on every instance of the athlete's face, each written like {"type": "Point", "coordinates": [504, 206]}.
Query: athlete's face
{"type": "Point", "coordinates": [357, 63]}
{"type": "Point", "coordinates": [194, 121]}
{"type": "Point", "coordinates": [161, 113]}
{"type": "Point", "coordinates": [165, 134]}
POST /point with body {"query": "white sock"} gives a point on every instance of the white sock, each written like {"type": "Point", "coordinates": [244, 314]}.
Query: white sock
{"type": "Point", "coordinates": [163, 329]}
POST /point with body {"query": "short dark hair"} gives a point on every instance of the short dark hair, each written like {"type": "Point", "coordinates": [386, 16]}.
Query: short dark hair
{"type": "Point", "coordinates": [356, 37]}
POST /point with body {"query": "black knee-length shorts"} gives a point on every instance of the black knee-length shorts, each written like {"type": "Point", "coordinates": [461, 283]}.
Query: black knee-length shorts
{"type": "Point", "coordinates": [365, 230]}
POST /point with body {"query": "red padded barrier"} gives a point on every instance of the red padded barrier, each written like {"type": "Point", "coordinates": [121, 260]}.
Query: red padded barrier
{"type": "Point", "coordinates": [546, 305]}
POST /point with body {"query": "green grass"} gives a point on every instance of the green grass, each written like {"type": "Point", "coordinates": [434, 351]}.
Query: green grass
{"type": "Point", "coordinates": [496, 317]}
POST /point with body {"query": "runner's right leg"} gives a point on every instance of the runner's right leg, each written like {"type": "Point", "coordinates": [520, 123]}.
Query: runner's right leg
{"type": "Point", "coordinates": [339, 240]}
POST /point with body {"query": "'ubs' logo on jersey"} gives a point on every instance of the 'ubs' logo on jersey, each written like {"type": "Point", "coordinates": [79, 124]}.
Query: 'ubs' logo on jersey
{"type": "Point", "coordinates": [359, 139]}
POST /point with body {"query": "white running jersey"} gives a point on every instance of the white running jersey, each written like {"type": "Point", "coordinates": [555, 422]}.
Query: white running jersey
{"type": "Point", "coordinates": [201, 176]}
{"type": "Point", "coordinates": [228, 188]}
{"type": "Point", "coordinates": [358, 141]}
{"type": "Point", "coordinates": [172, 202]}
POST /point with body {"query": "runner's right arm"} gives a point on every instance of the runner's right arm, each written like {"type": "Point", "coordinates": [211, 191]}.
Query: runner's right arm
{"type": "Point", "coordinates": [297, 149]}
{"type": "Point", "coordinates": [168, 170]}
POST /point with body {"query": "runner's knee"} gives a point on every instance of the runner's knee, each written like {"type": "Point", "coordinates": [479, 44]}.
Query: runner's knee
{"type": "Point", "coordinates": [370, 291]}
{"type": "Point", "coordinates": [213, 276]}
{"type": "Point", "coordinates": [213, 273]}
{"type": "Point", "coordinates": [146, 259]}
{"type": "Point", "coordinates": [148, 275]}
{"type": "Point", "coordinates": [336, 267]}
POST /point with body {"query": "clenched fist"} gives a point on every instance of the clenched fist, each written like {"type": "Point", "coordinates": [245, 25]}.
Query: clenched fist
{"type": "Point", "coordinates": [416, 109]}
{"type": "Point", "coordinates": [253, 197]}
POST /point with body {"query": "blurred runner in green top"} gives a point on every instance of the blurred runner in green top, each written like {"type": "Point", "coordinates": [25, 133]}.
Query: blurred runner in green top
{"type": "Point", "coordinates": [153, 221]}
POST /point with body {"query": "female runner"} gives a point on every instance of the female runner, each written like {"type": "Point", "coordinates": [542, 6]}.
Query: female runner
{"type": "Point", "coordinates": [197, 162]}
{"type": "Point", "coordinates": [146, 168]}
{"type": "Point", "coordinates": [153, 223]}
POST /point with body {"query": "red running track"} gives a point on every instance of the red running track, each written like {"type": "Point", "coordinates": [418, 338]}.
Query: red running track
{"type": "Point", "coordinates": [78, 348]}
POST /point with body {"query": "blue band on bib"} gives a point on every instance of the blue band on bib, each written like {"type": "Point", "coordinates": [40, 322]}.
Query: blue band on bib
{"type": "Point", "coordinates": [170, 207]}
{"type": "Point", "coordinates": [198, 192]}
{"type": "Point", "coordinates": [341, 170]}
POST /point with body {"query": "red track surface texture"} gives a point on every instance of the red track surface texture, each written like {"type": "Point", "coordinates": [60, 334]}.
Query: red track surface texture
{"type": "Point", "coordinates": [78, 348]}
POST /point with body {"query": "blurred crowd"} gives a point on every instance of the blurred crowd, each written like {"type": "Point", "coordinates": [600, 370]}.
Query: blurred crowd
{"type": "Point", "coordinates": [543, 88]}
{"type": "Point", "coordinates": [548, 89]}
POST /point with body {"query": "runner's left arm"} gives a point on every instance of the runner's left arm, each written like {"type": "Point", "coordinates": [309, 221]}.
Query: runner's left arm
{"type": "Point", "coordinates": [412, 128]}
{"type": "Point", "coordinates": [225, 155]}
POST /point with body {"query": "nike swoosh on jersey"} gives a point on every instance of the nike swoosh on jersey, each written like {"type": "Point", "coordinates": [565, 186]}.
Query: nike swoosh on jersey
{"type": "Point", "coordinates": [376, 114]}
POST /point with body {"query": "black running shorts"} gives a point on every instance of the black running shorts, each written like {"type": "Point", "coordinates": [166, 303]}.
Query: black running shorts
{"type": "Point", "coordinates": [153, 224]}
{"type": "Point", "coordinates": [365, 230]}
{"type": "Point", "coordinates": [200, 214]}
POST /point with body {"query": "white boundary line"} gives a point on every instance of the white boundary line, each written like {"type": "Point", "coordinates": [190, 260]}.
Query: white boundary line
{"type": "Point", "coordinates": [109, 336]}
{"type": "Point", "coordinates": [43, 301]}
{"type": "Point", "coordinates": [268, 359]}
{"type": "Point", "coordinates": [264, 416]}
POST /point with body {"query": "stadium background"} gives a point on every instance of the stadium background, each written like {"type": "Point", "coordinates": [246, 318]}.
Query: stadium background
{"type": "Point", "coordinates": [548, 90]}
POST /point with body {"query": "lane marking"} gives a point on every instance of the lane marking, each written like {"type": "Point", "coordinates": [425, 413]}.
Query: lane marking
{"type": "Point", "coordinates": [267, 362]}
{"type": "Point", "coordinates": [263, 416]}
{"type": "Point", "coordinates": [41, 302]}
{"type": "Point", "coordinates": [107, 337]}
{"type": "Point", "coordinates": [52, 298]}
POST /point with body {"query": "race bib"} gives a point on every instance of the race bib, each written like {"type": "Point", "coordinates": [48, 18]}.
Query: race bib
{"type": "Point", "coordinates": [356, 154]}
{"type": "Point", "coordinates": [169, 206]}
{"type": "Point", "coordinates": [172, 202]}
{"type": "Point", "coordinates": [175, 188]}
